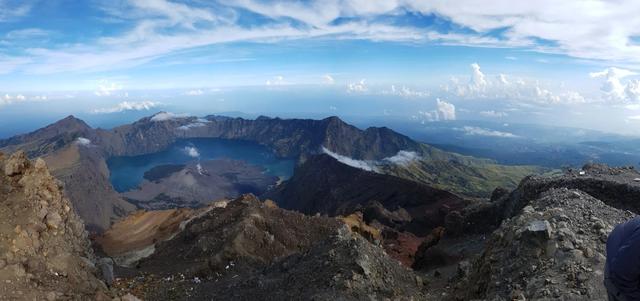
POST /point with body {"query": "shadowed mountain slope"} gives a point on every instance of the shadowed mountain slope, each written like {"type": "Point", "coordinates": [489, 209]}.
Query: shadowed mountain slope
{"type": "Point", "coordinates": [324, 185]}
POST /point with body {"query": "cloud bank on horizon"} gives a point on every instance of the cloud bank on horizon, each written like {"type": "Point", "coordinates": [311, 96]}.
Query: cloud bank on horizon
{"type": "Point", "coordinates": [501, 60]}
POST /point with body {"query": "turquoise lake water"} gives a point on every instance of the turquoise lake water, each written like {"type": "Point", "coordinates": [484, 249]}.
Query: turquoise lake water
{"type": "Point", "coordinates": [128, 172]}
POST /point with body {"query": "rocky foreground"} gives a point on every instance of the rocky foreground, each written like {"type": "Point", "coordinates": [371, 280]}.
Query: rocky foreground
{"type": "Point", "coordinates": [553, 249]}
{"type": "Point", "coordinates": [44, 250]}
{"type": "Point", "coordinates": [255, 250]}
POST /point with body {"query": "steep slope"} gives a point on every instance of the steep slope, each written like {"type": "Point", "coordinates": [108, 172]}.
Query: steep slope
{"type": "Point", "coordinates": [44, 250]}
{"type": "Point", "coordinates": [48, 139]}
{"type": "Point", "coordinates": [469, 177]}
{"type": "Point", "coordinates": [134, 237]}
{"type": "Point", "coordinates": [553, 249]}
{"type": "Point", "coordinates": [324, 185]}
{"type": "Point", "coordinates": [83, 170]}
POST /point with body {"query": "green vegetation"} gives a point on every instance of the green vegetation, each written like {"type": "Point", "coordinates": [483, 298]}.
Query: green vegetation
{"type": "Point", "coordinates": [461, 174]}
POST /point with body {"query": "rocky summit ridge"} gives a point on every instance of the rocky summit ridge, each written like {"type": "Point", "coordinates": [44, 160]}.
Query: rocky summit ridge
{"type": "Point", "coordinates": [253, 250]}
{"type": "Point", "coordinates": [553, 249]}
{"type": "Point", "coordinates": [45, 253]}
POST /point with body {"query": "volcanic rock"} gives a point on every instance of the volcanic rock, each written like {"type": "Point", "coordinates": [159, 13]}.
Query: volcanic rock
{"type": "Point", "coordinates": [44, 250]}
{"type": "Point", "coordinates": [245, 232]}
{"type": "Point", "coordinates": [550, 250]}
{"type": "Point", "coordinates": [342, 267]}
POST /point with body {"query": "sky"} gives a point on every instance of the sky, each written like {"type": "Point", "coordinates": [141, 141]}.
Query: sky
{"type": "Point", "coordinates": [566, 63]}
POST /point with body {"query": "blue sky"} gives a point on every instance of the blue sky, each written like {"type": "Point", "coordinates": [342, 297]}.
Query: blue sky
{"type": "Point", "coordinates": [572, 63]}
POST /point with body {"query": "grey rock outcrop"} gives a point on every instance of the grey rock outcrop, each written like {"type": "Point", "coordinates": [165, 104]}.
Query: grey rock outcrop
{"type": "Point", "coordinates": [553, 249]}
{"type": "Point", "coordinates": [615, 186]}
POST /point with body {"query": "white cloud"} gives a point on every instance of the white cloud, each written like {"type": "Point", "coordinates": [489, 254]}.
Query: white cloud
{"type": "Point", "coordinates": [477, 78]}
{"type": "Point", "coordinates": [128, 106]}
{"type": "Point", "coordinates": [477, 131]}
{"type": "Point", "coordinates": [83, 141]}
{"type": "Point", "coordinates": [614, 89]}
{"type": "Point", "coordinates": [199, 123]}
{"type": "Point", "coordinates": [446, 111]}
{"type": "Point", "coordinates": [328, 79]}
{"type": "Point", "coordinates": [358, 87]}
{"type": "Point", "coordinates": [502, 87]}
{"type": "Point", "coordinates": [196, 92]}
{"type": "Point", "coordinates": [191, 151]}
{"type": "Point", "coordinates": [502, 79]}
{"type": "Point", "coordinates": [493, 114]}
{"type": "Point", "coordinates": [405, 92]}
{"type": "Point", "coordinates": [632, 90]}
{"type": "Point", "coordinates": [164, 116]}
{"type": "Point", "coordinates": [633, 118]}
{"type": "Point", "coordinates": [426, 116]}
{"type": "Point", "coordinates": [8, 99]}
{"type": "Point", "coordinates": [27, 33]}
{"type": "Point", "coordinates": [39, 98]}
{"type": "Point", "coordinates": [10, 11]}
{"type": "Point", "coordinates": [403, 158]}
{"type": "Point", "coordinates": [333, 108]}
{"type": "Point", "coordinates": [107, 88]}
{"type": "Point", "coordinates": [361, 164]}
{"type": "Point", "coordinates": [201, 170]}
{"type": "Point", "coordinates": [276, 81]}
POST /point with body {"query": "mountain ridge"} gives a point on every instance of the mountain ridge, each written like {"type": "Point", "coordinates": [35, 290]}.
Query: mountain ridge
{"type": "Point", "coordinates": [82, 152]}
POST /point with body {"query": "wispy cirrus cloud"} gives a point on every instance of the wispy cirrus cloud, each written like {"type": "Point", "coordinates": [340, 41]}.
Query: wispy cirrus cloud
{"type": "Point", "coordinates": [603, 30]}
{"type": "Point", "coordinates": [13, 10]}
{"type": "Point", "coordinates": [195, 92]}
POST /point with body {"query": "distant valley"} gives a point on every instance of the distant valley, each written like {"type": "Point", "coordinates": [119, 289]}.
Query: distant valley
{"type": "Point", "coordinates": [521, 144]}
